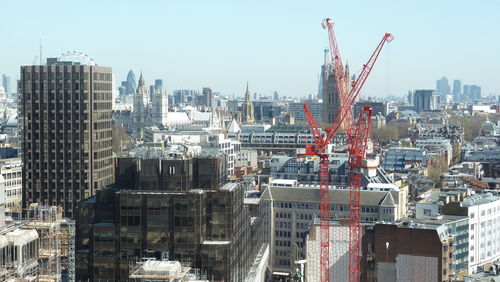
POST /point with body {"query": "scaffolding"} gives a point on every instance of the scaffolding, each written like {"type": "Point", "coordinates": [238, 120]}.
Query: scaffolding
{"type": "Point", "coordinates": [55, 246]}
{"type": "Point", "coordinates": [70, 266]}
{"type": "Point", "coordinates": [46, 220]}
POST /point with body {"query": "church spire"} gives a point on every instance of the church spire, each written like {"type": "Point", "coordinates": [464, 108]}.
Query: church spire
{"type": "Point", "coordinates": [141, 80]}
{"type": "Point", "coordinates": [247, 109]}
{"type": "Point", "coordinates": [247, 94]}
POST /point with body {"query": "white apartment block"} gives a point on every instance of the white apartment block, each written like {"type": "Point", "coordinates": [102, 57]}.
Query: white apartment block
{"type": "Point", "coordinates": [484, 230]}
{"type": "Point", "coordinates": [11, 183]}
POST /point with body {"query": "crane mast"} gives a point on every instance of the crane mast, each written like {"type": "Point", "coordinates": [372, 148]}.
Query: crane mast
{"type": "Point", "coordinates": [358, 132]}
{"type": "Point", "coordinates": [357, 139]}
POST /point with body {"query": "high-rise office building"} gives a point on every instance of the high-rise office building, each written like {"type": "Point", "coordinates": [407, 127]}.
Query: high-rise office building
{"type": "Point", "coordinates": [466, 92]}
{"type": "Point", "coordinates": [410, 97]}
{"type": "Point", "coordinates": [457, 90]}
{"type": "Point", "coordinates": [131, 82]}
{"type": "Point", "coordinates": [158, 85]}
{"type": "Point", "coordinates": [442, 86]}
{"type": "Point", "coordinates": [66, 131]}
{"type": "Point", "coordinates": [425, 100]}
{"type": "Point", "coordinates": [205, 99]}
{"type": "Point", "coordinates": [6, 83]}
{"type": "Point", "coordinates": [472, 92]}
{"type": "Point", "coordinates": [475, 92]}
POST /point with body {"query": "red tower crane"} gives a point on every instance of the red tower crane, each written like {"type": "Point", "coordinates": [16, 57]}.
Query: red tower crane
{"type": "Point", "coordinates": [347, 99]}
{"type": "Point", "coordinates": [357, 139]}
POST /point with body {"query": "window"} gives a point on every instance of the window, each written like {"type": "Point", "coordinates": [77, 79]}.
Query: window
{"type": "Point", "coordinates": [427, 212]}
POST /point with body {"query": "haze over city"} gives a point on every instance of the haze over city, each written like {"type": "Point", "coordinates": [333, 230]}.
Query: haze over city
{"type": "Point", "coordinates": [211, 141]}
{"type": "Point", "coordinates": [275, 45]}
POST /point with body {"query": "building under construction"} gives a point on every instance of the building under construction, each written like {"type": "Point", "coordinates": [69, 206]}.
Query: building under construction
{"type": "Point", "coordinates": [161, 204]}
{"type": "Point", "coordinates": [38, 248]}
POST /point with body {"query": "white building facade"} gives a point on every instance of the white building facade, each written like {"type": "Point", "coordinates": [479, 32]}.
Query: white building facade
{"type": "Point", "coordinates": [11, 184]}
{"type": "Point", "coordinates": [484, 230]}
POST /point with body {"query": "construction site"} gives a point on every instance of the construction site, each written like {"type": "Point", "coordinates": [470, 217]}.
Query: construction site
{"type": "Point", "coordinates": [39, 247]}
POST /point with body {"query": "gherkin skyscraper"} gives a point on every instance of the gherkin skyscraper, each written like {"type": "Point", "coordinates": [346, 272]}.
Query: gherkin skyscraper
{"type": "Point", "coordinates": [131, 82]}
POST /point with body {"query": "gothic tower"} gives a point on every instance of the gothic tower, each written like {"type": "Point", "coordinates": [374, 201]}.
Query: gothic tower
{"type": "Point", "coordinates": [248, 113]}
{"type": "Point", "coordinates": [159, 106]}
{"type": "Point", "coordinates": [140, 101]}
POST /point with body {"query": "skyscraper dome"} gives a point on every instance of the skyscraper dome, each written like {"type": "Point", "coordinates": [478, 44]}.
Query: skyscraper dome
{"type": "Point", "coordinates": [131, 82]}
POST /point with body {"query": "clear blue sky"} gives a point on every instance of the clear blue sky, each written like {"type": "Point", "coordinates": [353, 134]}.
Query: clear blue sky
{"type": "Point", "coordinates": [275, 45]}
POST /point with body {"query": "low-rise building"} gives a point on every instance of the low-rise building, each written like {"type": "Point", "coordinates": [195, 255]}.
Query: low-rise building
{"type": "Point", "coordinates": [483, 213]}
{"type": "Point", "coordinates": [421, 250]}
{"type": "Point", "coordinates": [436, 147]}
{"type": "Point", "coordinates": [289, 212]}
{"type": "Point", "coordinates": [401, 159]}
{"type": "Point", "coordinates": [489, 159]}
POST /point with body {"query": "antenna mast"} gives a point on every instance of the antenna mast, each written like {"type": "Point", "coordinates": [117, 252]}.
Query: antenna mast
{"type": "Point", "coordinates": [41, 60]}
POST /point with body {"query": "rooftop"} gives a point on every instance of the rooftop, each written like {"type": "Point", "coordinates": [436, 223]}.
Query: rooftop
{"type": "Point", "coordinates": [479, 199]}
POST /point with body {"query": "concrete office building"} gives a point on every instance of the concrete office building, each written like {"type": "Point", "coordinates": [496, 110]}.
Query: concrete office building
{"type": "Point", "coordinates": [66, 131]}
{"type": "Point", "coordinates": [297, 108]}
{"type": "Point", "coordinates": [425, 100]}
{"type": "Point", "coordinates": [484, 223]}
{"type": "Point", "coordinates": [377, 107]}
{"type": "Point", "coordinates": [11, 183]}
{"type": "Point", "coordinates": [290, 209]}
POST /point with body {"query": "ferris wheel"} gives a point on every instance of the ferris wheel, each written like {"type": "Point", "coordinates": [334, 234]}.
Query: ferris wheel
{"type": "Point", "coordinates": [74, 56]}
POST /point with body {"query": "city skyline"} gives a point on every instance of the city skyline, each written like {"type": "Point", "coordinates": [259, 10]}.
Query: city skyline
{"type": "Point", "coordinates": [275, 46]}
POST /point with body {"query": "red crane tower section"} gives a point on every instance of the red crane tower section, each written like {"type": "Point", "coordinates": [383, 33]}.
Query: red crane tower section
{"type": "Point", "coordinates": [321, 141]}
{"type": "Point", "coordinates": [357, 139]}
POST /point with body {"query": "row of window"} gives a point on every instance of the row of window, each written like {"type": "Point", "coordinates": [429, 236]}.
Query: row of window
{"type": "Point", "coordinates": [12, 183]}
{"type": "Point", "coordinates": [282, 253]}
{"type": "Point", "coordinates": [286, 234]}
{"type": "Point", "coordinates": [281, 243]}
{"type": "Point", "coordinates": [13, 192]}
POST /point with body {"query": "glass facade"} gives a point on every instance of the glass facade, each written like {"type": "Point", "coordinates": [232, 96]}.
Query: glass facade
{"type": "Point", "coordinates": [208, 228]}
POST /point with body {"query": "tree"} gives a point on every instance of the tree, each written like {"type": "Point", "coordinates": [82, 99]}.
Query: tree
{"type": "Point", "coordinates": [437, 166]}
{"type": "Point", "coordinates": [390, 132]}
{"type": "Point", "coordinates": [472, 125]}
{"type": "Point", "coordinates": [456, 157]}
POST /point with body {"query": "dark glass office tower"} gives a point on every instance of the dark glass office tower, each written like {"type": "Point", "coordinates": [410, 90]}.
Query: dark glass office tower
{"type": "Point", "coordinates": [183, 207]}
{"type": "Point", "coordinates": [66, 131]}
